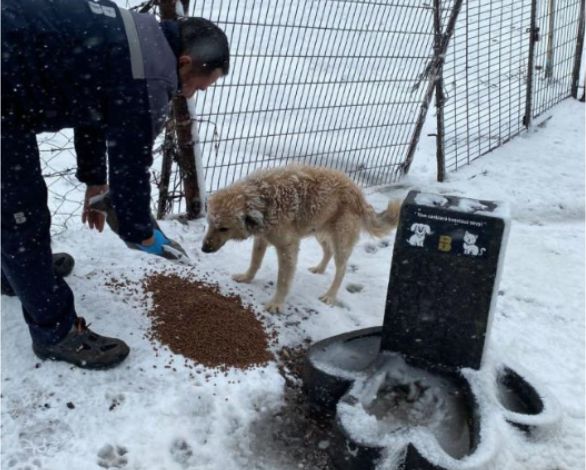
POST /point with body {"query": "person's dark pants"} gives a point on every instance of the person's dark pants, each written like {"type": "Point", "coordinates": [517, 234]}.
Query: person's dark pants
{"type": "Point", "coordinates": [27, 264]}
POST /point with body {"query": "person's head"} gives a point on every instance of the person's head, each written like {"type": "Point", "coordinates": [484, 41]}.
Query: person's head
{"type": "Point", "coordinates": [204, 57]}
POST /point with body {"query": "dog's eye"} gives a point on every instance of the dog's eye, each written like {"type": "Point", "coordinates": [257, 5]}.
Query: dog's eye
{"type": "Point", "coordinates": [223, 229]}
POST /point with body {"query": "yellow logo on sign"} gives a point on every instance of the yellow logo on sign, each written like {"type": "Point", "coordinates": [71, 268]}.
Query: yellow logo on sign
{"type": "Point", "coordinates": [445, 243]}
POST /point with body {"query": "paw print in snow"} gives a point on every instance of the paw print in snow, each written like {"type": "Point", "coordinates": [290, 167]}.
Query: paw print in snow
{"type": "Point", "coordinates": [21, 462]}
{"type": "Point", "coordinates": [370, 248]}
{"type": "Point", "coordinates": [112, 456]}
{"type": "Point", "coordinates": [115, 400]}
{"type": "Point", "coordinates": [384, 244]}
{"type": "Point", "coordinates": [354, 288]}
{"type": "Point", "coordinates": [181, 452]}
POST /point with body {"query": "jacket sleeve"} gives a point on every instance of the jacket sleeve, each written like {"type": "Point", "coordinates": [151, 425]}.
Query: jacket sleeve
{"type": "Point", "coordinates": [90, 148]}
{"type": "Point", "coordinates": [130, 137]}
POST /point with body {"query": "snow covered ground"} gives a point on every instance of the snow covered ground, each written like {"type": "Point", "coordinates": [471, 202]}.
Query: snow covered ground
{"type": "Point", "coordinates": [142, 415]}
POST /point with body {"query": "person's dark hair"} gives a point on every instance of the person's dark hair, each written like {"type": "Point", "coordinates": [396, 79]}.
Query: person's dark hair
{"type": "Point", "coordinates": [205, 43]}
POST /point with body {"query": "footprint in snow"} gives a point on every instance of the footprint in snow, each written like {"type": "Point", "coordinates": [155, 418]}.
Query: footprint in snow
{"type": "Point", "coordinates": [111, 456]}
{"type": "Point", "coordinates": [22, 462]}
{"type": "Point", "coordinates": [181, 452]}
{"type": "Point", "coordinates": [115, 399]}
{"type": "Point", "coordinates": [354, 288]}
{"type": "Point", "coordinates": [384, 243]}
{"type": "Point", "coordinates": [370, 248]}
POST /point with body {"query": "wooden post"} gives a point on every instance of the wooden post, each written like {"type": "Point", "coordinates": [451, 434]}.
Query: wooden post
{"type": "Point", "coordinates": [168, 157]}
{"type": "Point", "coordinates": [431, 76]}
{"type": "Point", "coordinates": [185, 141]}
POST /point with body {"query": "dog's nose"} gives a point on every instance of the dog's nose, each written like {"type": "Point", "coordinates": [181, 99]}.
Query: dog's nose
{"type": "Point", "coordinates": [206, 248]}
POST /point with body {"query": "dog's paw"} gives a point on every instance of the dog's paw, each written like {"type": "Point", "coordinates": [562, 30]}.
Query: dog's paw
{"type": "Point", "coordinates": [244, 277]}
{"type": "Point", "coordinates": [317, 270]}
{"type": "Point", "coordinates": [328, 299]}
{"type": "Point", "coordinates": [274, 307]}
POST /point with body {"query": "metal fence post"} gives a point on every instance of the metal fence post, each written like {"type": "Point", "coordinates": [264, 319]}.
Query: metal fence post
{"type": "Point", "coordinates": [551, 23]}
{"type": "Point", "coordinates": [533, 38]}
{"type": "Point", "coordinates": [439, 95]}
{"type": "Point", "coordinates": [578, 56]}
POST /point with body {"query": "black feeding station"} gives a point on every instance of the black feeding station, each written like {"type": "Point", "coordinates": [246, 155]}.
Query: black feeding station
{"type": "Point", "coordinates": [417, 393]}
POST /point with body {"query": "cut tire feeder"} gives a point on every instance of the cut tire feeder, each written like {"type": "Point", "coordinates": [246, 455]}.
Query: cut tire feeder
{"type": "Point", "coordinates": [337, 375]}
{"type": "Point", "coordinates": [412, 394]}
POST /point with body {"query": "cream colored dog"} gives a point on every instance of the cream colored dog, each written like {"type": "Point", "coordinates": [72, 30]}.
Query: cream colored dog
{"type": "Point", "coordinates": [283, 205]}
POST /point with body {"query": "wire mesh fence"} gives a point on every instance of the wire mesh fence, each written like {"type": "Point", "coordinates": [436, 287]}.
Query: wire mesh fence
{"type": "Point", "coordinates": [344, 83]}
{"type": "Point", "coordinates": [485, 78]}
{"type": "Point", "coordinates": [58, 165]}
{"type": "Point", "coordinates": [555, 51]}
{"type": "Point", "coordinates": [502, 66]}
{"type": "Point", "coordinates": [328, 82]}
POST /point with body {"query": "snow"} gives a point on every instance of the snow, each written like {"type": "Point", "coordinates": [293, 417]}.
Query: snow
{"type": "Point", "coordinates": [150, 416]}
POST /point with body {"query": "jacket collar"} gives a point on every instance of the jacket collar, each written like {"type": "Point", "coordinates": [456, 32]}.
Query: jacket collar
{"type": "Point", "coordinates": [170, 29]}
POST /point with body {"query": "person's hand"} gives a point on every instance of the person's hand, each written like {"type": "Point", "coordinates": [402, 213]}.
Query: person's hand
{"type": "Point", "coordinates": [94, 218]}
{"type": "Point", "coordinates": [154, 245]}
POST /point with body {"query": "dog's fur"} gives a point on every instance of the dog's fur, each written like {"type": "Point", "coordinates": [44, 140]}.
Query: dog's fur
{"type": "Point", "coordinates": [283, 205]}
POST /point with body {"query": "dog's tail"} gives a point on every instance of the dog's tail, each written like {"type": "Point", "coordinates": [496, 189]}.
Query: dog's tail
{"type": "Point", "coordinates": [380, 224]}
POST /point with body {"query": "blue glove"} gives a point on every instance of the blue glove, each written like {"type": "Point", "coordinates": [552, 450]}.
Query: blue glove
{"type": "Point", "coordinates": [157, 247]}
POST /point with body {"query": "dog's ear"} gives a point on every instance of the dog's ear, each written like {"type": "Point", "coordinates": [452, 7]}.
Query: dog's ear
{"type": "Point", "coordinates": [427, 229]}
{"type": "Point", "coordinates": [253, 220]}
{"type": "Point", "coordinates": [413, 227]}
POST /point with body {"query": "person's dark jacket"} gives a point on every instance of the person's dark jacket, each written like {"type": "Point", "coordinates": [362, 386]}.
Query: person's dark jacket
{"type": "Point", "coordinates": [106, 72]}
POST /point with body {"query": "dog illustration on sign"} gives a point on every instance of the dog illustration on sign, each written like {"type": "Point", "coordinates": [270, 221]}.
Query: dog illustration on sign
{"type": "Point", "coordinates": [420, 231]}
{"type": "Point", "coordinates": [470, 247]}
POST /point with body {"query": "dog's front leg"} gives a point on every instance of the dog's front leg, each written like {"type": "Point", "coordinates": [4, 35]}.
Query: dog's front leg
{"type": "Point", "coordinates": [287, 256]}
{"type": "Point", "coordinates": [258, 253]}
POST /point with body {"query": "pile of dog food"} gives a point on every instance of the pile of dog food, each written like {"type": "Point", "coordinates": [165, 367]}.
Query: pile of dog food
{"type": "Point", "coordinates": [194, 319]}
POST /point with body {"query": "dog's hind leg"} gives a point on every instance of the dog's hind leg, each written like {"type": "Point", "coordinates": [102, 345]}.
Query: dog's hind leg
{"type": "Point", "coordinates": [258, 252]}
{"type": "Point", "coordinates": [344, 239]}
{"type": "Point", "coordinates": [287, 256]}
{"type": "Point", "coordinates": [327, 256]}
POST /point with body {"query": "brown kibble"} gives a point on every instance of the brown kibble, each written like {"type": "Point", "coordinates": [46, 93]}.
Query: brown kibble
{"type": "Point", "coordinates": [196, 320]}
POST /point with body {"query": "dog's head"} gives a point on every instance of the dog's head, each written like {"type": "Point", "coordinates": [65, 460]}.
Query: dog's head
{"type": "Point", "coordinates": [229, 218]}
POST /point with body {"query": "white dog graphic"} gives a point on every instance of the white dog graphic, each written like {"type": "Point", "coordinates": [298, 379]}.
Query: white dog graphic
{"type": "Point", "coordinates": [420, 231]}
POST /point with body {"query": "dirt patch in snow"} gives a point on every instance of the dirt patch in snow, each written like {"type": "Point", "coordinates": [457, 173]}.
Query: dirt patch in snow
{"type": "Point", "coordinates": [293, 436]}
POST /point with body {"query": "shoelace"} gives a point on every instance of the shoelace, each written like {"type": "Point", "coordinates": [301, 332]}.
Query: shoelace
{"type": "Point", "coordinates": [81, 326]}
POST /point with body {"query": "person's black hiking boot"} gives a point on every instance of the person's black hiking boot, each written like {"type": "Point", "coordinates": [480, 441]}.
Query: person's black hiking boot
{"type": "Point", "coordinates": [84, 348]}
{"type": "Point", "coordinates": [62, 265]}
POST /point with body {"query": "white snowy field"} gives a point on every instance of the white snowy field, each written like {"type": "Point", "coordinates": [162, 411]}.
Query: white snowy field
{"type": "Point", "coordinates": [142, 415]}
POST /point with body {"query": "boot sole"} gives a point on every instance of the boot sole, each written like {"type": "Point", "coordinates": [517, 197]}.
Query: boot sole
{"type": "Point", "coordinates": [81, 364]}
